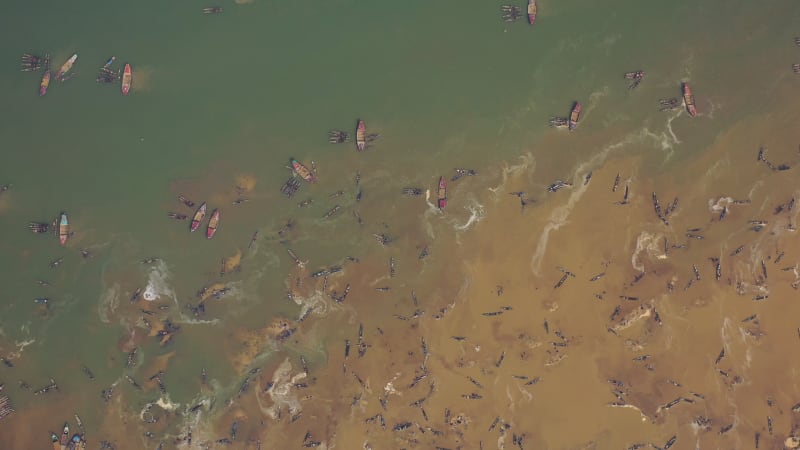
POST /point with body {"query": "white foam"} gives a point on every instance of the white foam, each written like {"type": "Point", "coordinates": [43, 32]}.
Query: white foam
{"type": "Point", "coordinates": [650, 244]}
{"type": "Point", "coordinates": [157, 286]}
{"type": "Point", "coordinates": [477, 213]}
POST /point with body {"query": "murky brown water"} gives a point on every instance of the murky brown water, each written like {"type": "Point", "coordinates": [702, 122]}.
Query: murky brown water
{"type": "Point", "coordinates": [500, 338]}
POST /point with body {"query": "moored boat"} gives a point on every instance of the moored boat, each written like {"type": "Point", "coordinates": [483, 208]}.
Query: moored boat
{"type": "Point", "coordinates": [127, 76]}
{"type": "Point", "coordinates": [531, 11]}
{"type": "Point", "coordinates": [302, 171]}
{"type": "Point", "coordinates": [45, 83]}
{"type": "Point", "coordinates": [64, 437]}
{"type": "Point", "coordinates": [688, 99]}
{"type": "Point", "coordinates": [63, 229]}
{"type": "Point", "coordinates": [66, 67]}
{"type": "Point", "coordinates": [56, 444]}
{"type": "Point", "coordinates": [442, 194]}
{"type": "Point", "coordinates": [361, 136]}
{"type": "Point", "coordinates": [213, 223]}
{"type": "Point", "coordinates": [198, 217]}
{"type": "Point", "coordinates": [574, 116]}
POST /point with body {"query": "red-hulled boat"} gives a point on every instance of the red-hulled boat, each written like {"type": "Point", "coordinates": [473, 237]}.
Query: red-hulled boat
{"type": "Point", "coordinates": [302, 171]}
{"type": "Point", "coordinates": [688, 99]}
{"type": "Point", "coordinates": [442, 195]}
{"type": "Point", "coordinates": [574, 116]}
{"type": "Point", "coordinates": [531, 11]}
{"type": "Point", "coordinates": [213, 223]}
{"type": "Point", "coordinates": [127, 78]}
{"type": "Point", "coordinates": [198, 217]}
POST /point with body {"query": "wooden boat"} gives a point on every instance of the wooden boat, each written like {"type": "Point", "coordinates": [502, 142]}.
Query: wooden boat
{"type": "Point", "coordinates": [688, 99]}
{"type": "Point", "coordinates": [45, 82]}
{"type": "Point", "coordinates": [531, 11]}
{"type": "Point", "coordinates": [126, 79]}
{"type": "Point", "coordinates": [198, 217]}
{"type": "Point", "coordinates": [64, 437]}
{"type": "Point", "coordinates": [213, 223]}
{"type": "Point", "coordinates": [63, 229]}
{"type": "Point", "coordinates": [302, 171]}
{"type": "Point", "coordinates": [442, 195]}
{"type": "Point", "coordinates": [56, 444]}
{"type": "Point", "coordinates": [574, 116]}
{"type": "Point", "coordinates": [67, 66]}
{"type": "Point", "coordinates": [361, 136]}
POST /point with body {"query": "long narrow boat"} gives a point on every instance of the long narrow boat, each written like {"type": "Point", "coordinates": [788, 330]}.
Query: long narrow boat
{"type": "Point", "coordinates": [213, 223]}
{"type": "Point", "coordinates": [198, 217]}
{"type": "Point", "coordinates": [63, 229]}
{"type": "Point", "coordinates": [66, 67]}
{"type": "Point", "coordinates": [45, 83]}
{"type": "Point", "coordinates": [688, 99]}
{"type": "Point", "coordinates": [303, 171]}
{"type": "Point", "coordinates": [574, 116]}
{"type": "Point", "coordinates": [126, 79]}
{"type": "Point", "coordinates": [64, 437]}
{"type": "Point", "coordinates": [361, 136]}
{"type": "Point", "coordinates": [531, 11]}
{"type": "Point", "coordinates": [442, 194]}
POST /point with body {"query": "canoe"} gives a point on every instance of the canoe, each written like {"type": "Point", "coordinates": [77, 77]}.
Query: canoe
{"type": "Point", "coordinates": [63, 229]}
{"type": "Point", "coordinates": [442, 195]}
{"type": "Point", "coordinates": [64, 437]}
{"type": "Point", "coordinates": [688, 99]}
{"type": "Point", "coordinates": [67, 66]}
{"type": "Point", "coordinates": [45, 82]}
{"type": "Point", "coordinates": [56, 444]}
{"type": "Point", "coordinates": [126, 79]}
{"type": "Point", "coordinates": [198, 217]}
{"type": "Point", "coordinates": [574, 116]}
{"type": "Point", "coordinates": [531, 11]}
{"type": "Point", "coordinates": [302, 171]}
{"type": "Point", "coordinates": [213, 223]}
{"type": "Point", "coordinates": [361, 136]}
{"type": "Point", "coordinates": [109, 62]}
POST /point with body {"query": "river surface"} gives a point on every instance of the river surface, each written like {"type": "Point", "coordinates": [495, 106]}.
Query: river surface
{"type": "Point", "coordinates": [584, 318]}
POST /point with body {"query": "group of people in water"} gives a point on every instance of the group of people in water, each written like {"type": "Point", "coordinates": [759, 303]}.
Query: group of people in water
{"type": "Point", "coordinates": [510, 13]}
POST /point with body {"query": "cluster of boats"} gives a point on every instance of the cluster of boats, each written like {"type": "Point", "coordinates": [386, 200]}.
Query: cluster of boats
{"type": "Point", "coordinates": [65, 442]}
{"type": "Point", "coordinates": [637, 76]}
{"type": "Point", "coordinates": [31, 63]}
{"type": "Point", "coordinates": [571, 122]}
{"type": "Point", "coordinates": [59, 227]}
{"type": "Point", "coordinates": [511, 13]}
{"type": "Point", "coordinates": [197, 219]}
{"type": "Point", "coordinates": [363, 140]}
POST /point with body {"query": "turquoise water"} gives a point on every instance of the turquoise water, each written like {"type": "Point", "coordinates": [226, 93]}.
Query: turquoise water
{"type": "Point", "coordinates": [445, 84]}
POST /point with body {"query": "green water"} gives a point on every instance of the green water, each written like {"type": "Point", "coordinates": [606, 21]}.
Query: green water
{"type": "Point", "coordinates": [446, 84]}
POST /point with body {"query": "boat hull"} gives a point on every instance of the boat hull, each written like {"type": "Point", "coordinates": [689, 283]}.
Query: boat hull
{"type": "Point", "coordinates": [574, 116]}
{"type": "Point", "coordinates": [302, 171]}
{"type": "Point", "coordinates": [531, 11]}
{"type": "Point", "coordinates": [44, 84]}
{"type": "Point", "coordinates": [213, 223]}
{"type": "Point", "coordinates": [442, 193]}
{"type": "Point", "coordinates": [361, 136]}
{"type": "Point", "coordinates": [63, 229]}
{"type": "Point", "coordinates": [66, 67]}
{"type": "Point", "coordinates": [198, 217]}
{"type": "Point", "coordinates": [688, 99]}
{"type": "Point", "coordinates": [127, 77]}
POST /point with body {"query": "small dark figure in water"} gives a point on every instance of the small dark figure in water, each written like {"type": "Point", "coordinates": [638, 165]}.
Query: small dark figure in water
{"type": "Point", "coordinates": [669, 104]}
{"type": "Point", "coordinates": [558, 185]}
{"type": "Point", "coordinates": [558, 122]}
{"type": "Point", "coordinates": [177, 216]}
{"type": "Point", "coordinates": [107, 75]}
